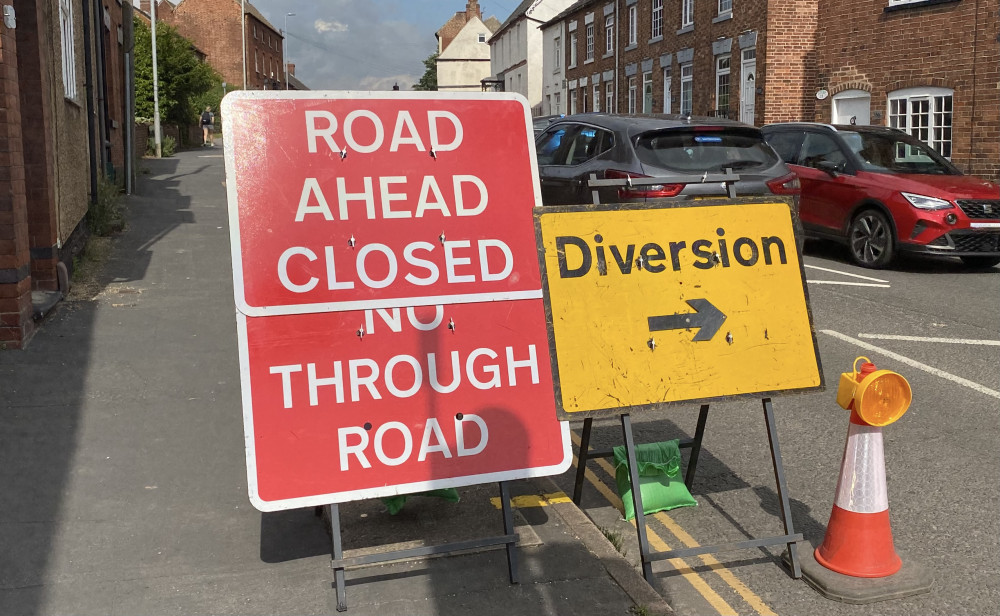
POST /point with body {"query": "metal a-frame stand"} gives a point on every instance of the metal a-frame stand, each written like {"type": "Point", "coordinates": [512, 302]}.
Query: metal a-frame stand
{"type": "Point", "coordinates": [647, 555]}
{"type": "Point", "coordinates": [338, 563]}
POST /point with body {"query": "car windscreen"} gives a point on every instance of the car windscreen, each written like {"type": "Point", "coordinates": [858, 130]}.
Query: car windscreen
{"type": "Point", "coordinates": [896, 153]}
{"type": "Point", "coordinates": [711, 149]}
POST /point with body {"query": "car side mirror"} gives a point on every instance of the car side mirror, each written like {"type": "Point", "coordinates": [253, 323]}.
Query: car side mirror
{"type": "Point", "coordinates": [834, 169]}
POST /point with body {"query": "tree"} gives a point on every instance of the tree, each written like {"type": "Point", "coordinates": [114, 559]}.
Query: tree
{"type": "Point", "coordinates": [185, 82]}
{"type": "Point", "coordinates": [430, 79]}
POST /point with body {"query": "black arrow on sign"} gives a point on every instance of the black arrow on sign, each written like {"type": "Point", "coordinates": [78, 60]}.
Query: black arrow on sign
{"type": "Point", "coordinates": [706, 317]}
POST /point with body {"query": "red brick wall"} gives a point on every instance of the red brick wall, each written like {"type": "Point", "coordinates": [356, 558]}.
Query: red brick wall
{"type": "Point", "coordinates": [37, 143]}
{"type": "Point", "coordinates": [582, 68]}
{"type": "Point", "coordinates": [16, 325]}
{"type": "Point", "coordinates": [952, 45]}
{"type": "Point", "coordinates": [789, 52]}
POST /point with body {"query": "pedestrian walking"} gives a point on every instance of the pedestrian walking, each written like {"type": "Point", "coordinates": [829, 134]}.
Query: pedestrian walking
{"type": "Point", "coordinates": [208, 127]}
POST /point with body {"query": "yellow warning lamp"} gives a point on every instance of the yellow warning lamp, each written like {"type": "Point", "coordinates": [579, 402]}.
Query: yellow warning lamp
{"type": "Point", "coordinates": [879, 397]}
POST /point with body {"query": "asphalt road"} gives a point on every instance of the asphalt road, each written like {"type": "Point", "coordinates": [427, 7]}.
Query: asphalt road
{"type": "Point", "coordinates": [933, 321]}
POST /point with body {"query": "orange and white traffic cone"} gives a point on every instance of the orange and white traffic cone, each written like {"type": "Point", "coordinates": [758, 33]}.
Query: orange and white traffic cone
{"type": "Point", "coordinates": [858, 538]}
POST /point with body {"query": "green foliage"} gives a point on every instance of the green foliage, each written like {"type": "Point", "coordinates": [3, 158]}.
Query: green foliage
{"type": "Point", "coordinates": [429, 81]}
{"type": "Point", "coordinates": [168, 147]}
{"type": "Point", "coordinates": [186, 84]}
{"type": "Point", "coordinates": [616, 539]}
{"type": "Point", "coordinates": [106, 215]}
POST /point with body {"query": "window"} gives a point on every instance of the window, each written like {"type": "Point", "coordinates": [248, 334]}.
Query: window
{"type": "Point", "coordinates": [572, 50]}
{"type": "Point", "coordinates": [583, 95]}
{"type": "Point", "coordinates": [609, 36]}
{"type": "Point", "coordinates": [572, 102]}
{"type": "Point", "coordinates": [657, 18]}
{"type": "Point", "coordinates": [558, 96]}
{"type": "Point", "coordinates": [666, 90]}
{"type": "Point", "coordinates": [725, 6]}
{"type": "Point", "coordinates": [722, 86]}
{"type": "Point", "coordinates": [647, 92]}
{"type": "Point", "coordinates": [482, 37]}
{"type": "Point", "coordinates": [925, 113]}
{"type": "Point", "coordinates": [631, 94]}
{"type": "Point", "coordinates": [633, 25]}
{"type": "Point", "coordinates": [590, 42]}
{"type": "Point", "coordinates": [687, 13]}
{"type": "Point", "coordinates": [255, 32]}
{"type": "Point", "coordinates": [687, 88]}
{"type": "Point", "coordinates": [68, 43]}
{"type": "Point", "coordinates": [557, 60]}
{"type": "Point", "coordinates": [549, 145]}
{"type": "Point", "coordinates": [256, 61]}
{"type": "Point", "coordinates": [587, 143]}
{"type": "Point", "coordinates": [609, 97]}
{"type": "Point", "coordinates": [597, 96]}
{"type": "Point", "coordinates": [820, 148]}
{"type": "Point", "coordinates": [787, 144]}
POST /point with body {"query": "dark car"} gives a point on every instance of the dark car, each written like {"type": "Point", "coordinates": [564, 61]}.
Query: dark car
{"type": "Point", "coordinates": [540, 123]}
{"type": "Point", "coordinates": [622, 147]}
{"type": "Point", "coordinates": [883, 191]}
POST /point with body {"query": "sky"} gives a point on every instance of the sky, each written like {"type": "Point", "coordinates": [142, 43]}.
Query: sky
{"type": "Point", "coordinates": [365, 44]}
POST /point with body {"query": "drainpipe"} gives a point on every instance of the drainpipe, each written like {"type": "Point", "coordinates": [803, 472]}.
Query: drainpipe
{"type": "Point", "coordinates": [87, 25]}
{"type": "Point", "coordinates": [618, 44]}
{"type": "Point", "coordinates": [102, 86]}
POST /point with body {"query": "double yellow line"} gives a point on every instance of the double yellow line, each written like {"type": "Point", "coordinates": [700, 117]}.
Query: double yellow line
{"type": "Point", "coordinates": [658, 544]}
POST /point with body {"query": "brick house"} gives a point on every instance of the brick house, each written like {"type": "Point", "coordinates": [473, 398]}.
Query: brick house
{"type": "Point", "coordinates": [68, 99]}
{"type": "Point", "coordinates": [213, 26]}
{"type": "Point", "coordinates": [930, 67]}
{"type": "Point", "coordinates": [463, 53]}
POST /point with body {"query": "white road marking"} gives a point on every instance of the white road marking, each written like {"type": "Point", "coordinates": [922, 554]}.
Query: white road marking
{"type": "Point", "coordinates": [833, 271]}
{"type": "Point", "coordinates": [927, 339]}
{"type": "Point", "coordinates": [849, 284]}
{"type": "Point", "coordinates": [914, 363]}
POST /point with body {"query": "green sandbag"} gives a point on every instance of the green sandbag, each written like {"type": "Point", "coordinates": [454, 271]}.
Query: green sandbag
{"type": "Point", "coordinates": [660, 483]}
{"type": "Point", "coordinates": [395, 503]}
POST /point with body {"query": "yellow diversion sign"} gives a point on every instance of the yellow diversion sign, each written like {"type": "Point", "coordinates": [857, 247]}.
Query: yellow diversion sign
{"type": "Point", "coordinates": [653, 304]}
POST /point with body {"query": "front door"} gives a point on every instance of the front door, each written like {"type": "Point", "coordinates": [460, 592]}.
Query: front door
{"type": "Point", "coordinates": [748, 85]}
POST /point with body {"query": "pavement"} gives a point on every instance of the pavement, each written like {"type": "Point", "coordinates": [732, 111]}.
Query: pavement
{"type": "Point", "coordinates": [123, 477]}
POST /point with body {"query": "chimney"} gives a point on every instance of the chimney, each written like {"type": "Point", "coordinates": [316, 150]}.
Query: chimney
{"type": "Point", "coordinates": [291, 69]}
{"type": "Point", "coordinates": [472, 10]}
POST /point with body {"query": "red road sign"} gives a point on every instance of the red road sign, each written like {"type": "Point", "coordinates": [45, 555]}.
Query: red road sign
{"type": "Point", "coordinates": [392, 332]}
{"type": "Point", "coordinates": [430, 397]}
{"type": "Point", "coordinates": [353, 200]}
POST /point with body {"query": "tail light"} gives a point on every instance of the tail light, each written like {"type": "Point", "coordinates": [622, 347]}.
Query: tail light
{"type": "Point", "coordinates": [786, 185]}
{"type": "Point", "coordinates": [653, 191]}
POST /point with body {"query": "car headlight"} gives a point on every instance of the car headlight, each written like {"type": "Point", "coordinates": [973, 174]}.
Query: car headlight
{"type": "Point", "coordinates": [927, 203]}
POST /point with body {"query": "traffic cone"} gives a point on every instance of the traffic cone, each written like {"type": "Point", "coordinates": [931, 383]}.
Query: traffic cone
{"type": "Point", "coordinates": [858, 539]}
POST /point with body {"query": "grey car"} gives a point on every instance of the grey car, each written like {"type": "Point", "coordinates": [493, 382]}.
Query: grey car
{"type": "Point", "coordinates": [623, 147]}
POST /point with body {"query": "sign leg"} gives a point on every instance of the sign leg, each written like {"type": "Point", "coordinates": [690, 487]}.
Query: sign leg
{"type": "Point", "coordinates": [779, 475]}
{"type": "Point", "coordinates": [338, 555]}
{"type": "Point", "coordinates": [508, 529]}
{"type": "Point", "coordinates": [581, 462]}
{"type": "Point", "coordinates": [640, 516]}
{"type": "Point", "coordinates": [696, 446]}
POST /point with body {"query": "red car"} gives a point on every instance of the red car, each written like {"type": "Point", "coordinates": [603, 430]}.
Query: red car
{"type": "Point", "coordinates": [883, 192]}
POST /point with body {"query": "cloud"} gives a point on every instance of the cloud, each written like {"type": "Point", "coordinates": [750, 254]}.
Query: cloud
{"type": "Point", "coordinates": [329, 26]}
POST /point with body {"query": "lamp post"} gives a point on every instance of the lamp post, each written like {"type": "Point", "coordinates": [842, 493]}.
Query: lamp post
{"type": "Point", "coordinates": [243, 38]}
{"type": "Point", "coordinates": [284, 39]}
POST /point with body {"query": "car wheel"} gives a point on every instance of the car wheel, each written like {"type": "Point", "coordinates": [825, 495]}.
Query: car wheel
{"type": "Point", "coordinates": [980, 262]}
{"type": "Point", "coordinates": [871, 241]}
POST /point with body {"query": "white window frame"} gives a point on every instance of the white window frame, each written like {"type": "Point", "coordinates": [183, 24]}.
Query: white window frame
{"type": "Point", "coordinates": [609, 97]}
{"type": "Point", "coordinates": [723, 70]}
{"type": "Point", "coordinates": [633, 25]}
{"type": "Point", "coordinates": [558, 97]}
{"type": "Point", "coordinates": [597, 96]}
{"type": "Point", "coordinates": [666, 90]}
{"type": "Point", "coordinates": [898, 2]}
{"type": "Point", "coordinates": [687, 88]}
{"type": "Point", "coordinates": [925, 113]}
{"type": "Point", "coordinates": [572, 50]}
{"type": "Point", "coordinates": [609, 34]}
{"type": "Point", "coordinates": [631, 94]}
{"type": "Point", "coordinates": [687, 13]}
{"type": "Point", "coordinates": [558, 54]}
{"type": "Point", "coordinates": [656, 19]}
{"type": "Point", "coordinates": [725, 7]}
{"type": "Point", "coordinates": [256, 62]}
{"type": "Point", "coordinates": [590, 43]}
{"type": "Point", "coordinates": [572, 102]}
{"type": "Point", "coordinates": [68, 42]}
